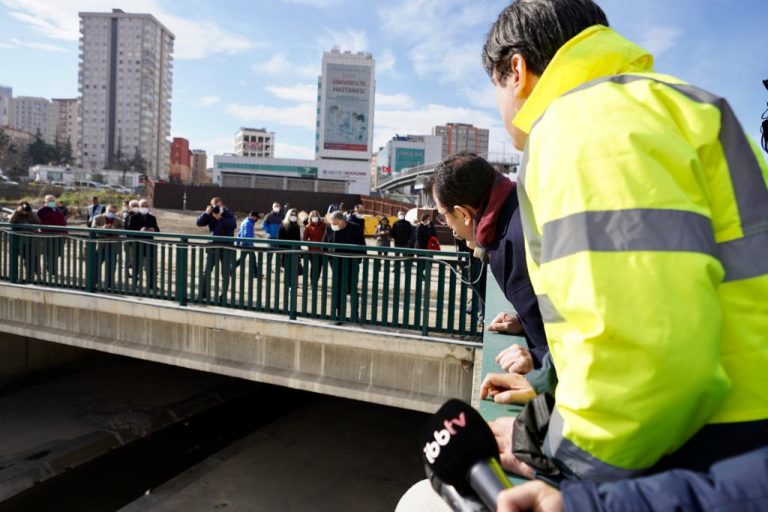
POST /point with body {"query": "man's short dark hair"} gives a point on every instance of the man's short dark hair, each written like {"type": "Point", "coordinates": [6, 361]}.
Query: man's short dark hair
{"type": "Point", "coordinates": [254, 213]}
{"type": "Point", "coordinates": [536, 29]}
{"type": "Point", "coordinates": [463, 179]}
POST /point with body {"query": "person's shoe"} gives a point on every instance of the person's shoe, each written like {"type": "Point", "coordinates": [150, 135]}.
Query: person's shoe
{"type": "Point", "coordinates": [338, 322]}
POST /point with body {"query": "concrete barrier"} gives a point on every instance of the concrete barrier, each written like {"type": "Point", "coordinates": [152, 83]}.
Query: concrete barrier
{"type": "Point", "coordinates": [388, 368]}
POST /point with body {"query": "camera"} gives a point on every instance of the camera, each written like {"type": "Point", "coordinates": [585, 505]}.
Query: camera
{"type": "Point", "coordinates": [216, 209]}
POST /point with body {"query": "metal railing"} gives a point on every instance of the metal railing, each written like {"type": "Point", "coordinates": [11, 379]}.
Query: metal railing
{"type": "Point", "coordinates": [392, 288]}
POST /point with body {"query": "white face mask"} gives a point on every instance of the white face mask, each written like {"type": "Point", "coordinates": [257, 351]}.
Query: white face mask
{"type": "Point", "coordinates": [276, 209]}
{"type": "Point", "coordinates": [335, 227]}
{"type": "Point", "coordinates": [401, 217]}
{"type": "Point", "coordinates": [144, 210]}
{"type": "Point", "coordinates": [293, 218]}
{"type": "Point", "coordinates": [110, 215]}
{"type": "Point", "coordinates": [315, 220]}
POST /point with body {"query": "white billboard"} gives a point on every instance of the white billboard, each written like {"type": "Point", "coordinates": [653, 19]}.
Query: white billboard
{"type": "Point", "coordinates": [346, 109]}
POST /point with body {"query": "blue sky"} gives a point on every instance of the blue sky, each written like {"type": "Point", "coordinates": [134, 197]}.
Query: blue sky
{"type": "Point", "coordinates": [255, 63]}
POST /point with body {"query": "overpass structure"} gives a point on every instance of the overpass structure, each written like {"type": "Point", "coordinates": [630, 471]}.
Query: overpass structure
{"type": "Point", "coordinates": [409, 334]}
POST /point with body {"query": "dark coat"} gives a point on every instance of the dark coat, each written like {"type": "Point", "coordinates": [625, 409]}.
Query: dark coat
{"type": "Point", "coordinates": [137, 221]}
{"type": "Point", "coordinates": [351, 234]}
{"type": "Point", "coordinates": [290, 232]}
{"type": "Point", "coordinates": [739, 483]}
{"type": "Point", "coordinates": [402, 232]}
{"type": "Point", "coordinates": [223, 227]}
{"type": "Point", "coordinates": [423, 233]}
{"type": "Point", "coordinates": [508, 265]}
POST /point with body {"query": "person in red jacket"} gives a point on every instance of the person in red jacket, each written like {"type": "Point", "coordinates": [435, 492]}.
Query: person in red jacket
{"type": "Point", "coordinates": [314, 232]}
{"type": "Point", "coordinates": [50, 215]}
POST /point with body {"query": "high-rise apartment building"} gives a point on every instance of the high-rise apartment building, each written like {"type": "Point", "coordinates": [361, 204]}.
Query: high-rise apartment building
{"type": "Point", "coordinates": [6, 101]}
{"type": "Point", "coordinates": [200, 167]}
{"type": "Point", "coordinates": [31, 114]}
{"type": "Point", "coordinates": [459, 137]}
{"type": "Point", "coordinates": [125, 85]}
{"type": "Point", "coordinates": [256, 142]}
{"type": "Point", "coordinates": [66, 122]}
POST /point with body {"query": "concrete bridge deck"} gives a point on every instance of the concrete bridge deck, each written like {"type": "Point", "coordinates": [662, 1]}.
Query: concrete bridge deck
{"type": "Point", "coordinates": [384, 367]}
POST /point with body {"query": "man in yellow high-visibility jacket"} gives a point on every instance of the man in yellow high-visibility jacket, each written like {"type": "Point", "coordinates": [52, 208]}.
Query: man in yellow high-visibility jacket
{"type": "Point", "coordinates": [645, 210]}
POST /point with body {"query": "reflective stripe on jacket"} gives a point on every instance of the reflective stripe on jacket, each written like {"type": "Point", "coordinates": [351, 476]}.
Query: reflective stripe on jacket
{"type": "Point", "coordinates": [645, 211]}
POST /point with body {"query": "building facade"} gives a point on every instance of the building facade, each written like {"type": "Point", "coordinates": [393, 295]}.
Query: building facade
{"type": "Point", "coordinates": [66, 122]}
{"type": "Point", "coordinates": [32, 114]}
{"type": "Point", "coordinates": [459, 137]}
{"type": "Point", "coordinates": [125, 85]}
{"type": "Point", "coordinates": [199, 166]}
{"type": "Point", "coordinates": [403, 152]}
{"type": "Point", "coordinates": [256, 142]}
{"type": "Point", "coordinates": [343, 176]}
{"type": "Point", "coordinates": [345, 105]}
{"type": "Point", "coordinates": [6, 100]}
{"type": "Point", "coordinates": [180, 170]}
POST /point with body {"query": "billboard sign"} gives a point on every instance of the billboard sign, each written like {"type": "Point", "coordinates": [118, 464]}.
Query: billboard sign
{"type": "Point", "coordinates": [347, 96]}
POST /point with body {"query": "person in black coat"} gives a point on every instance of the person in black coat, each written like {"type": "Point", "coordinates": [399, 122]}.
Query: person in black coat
{"type": "Point", "coordinates": [144, 258]}
{"type": "Point", "coordinates": [343, 232]}
{"type": "Point", "coordinates": [424, 232]}
{"type": "Point", "coordinates": [220, 221]}
{"type": "Point", "coordinates": [290, 230]}
{"type": "Point", "coordinates": [402, 231]}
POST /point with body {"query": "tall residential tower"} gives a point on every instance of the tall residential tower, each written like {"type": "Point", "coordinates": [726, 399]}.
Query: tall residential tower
{"type": "Point", "coordinates": [125, 80]}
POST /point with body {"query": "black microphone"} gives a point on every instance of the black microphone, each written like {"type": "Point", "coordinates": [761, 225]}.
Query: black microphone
{"type": "Point", "coordinates": [459, 448]}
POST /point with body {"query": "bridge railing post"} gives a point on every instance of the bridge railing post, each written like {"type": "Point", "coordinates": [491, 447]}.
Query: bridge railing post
{"type": "Point", "coordinates": [91, 262]}
{"type": "Point", "coordinates": [293, 279]}
{"type": "Point", "coordinates": [427, 276]}
{"type": "Point", "coordinates": [13, 258]}
{"type": "Point", "coordinates": [182, 276]}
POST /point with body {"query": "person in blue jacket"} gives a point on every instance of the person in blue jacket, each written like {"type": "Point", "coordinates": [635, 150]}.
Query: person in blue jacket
{"type": "Point", "coordinates": [245, 236]}
{"type": "Point", "coordinates": [220, 222]}
{"type": "Point", "coordinates": [736, 484]}
{"type": "Point", "coordinates": [272, 222]}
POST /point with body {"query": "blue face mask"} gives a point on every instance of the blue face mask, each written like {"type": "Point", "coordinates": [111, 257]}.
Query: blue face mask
{"type": "Point", "coordinates": [51, 204]}
{"type": "Point", "coordinates": [110, 215]}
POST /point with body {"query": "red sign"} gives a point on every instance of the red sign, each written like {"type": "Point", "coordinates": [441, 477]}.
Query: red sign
{"type": "Point", "coordinates": [346, 147]}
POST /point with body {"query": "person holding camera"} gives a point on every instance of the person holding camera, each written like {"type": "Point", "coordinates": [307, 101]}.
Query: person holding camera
{"type": "Point", "coordinates": [220, 222]}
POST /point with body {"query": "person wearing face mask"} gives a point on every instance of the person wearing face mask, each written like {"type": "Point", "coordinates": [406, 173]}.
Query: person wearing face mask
{"type": "Point", "coordinates": [29, 247]}
{"type": "Point", "coordinates": [383, 233]}
{"type": "Point", "coordinates": [50, 215]}
{"type": "Point", "coordinates": [343, 232]}
{"type": "Point", "coordinates": [108, 250]}
{"type": "Point", "coordinates": [145, 254]}
{"type": "Point", "coordinates": [245, 240]}
{"type": "Point", "coordinates": [424, 231]}
{"type": "Point", "coordinates": [220, 222]}
{"type": "Point", "coordinates": [290, 230]}
{"type": "Point", "coordinates": [272, 222]}
{"type": "Point", "coordinates": [402, 231]}
{"type": "Point", "coordinates": [314, 232]}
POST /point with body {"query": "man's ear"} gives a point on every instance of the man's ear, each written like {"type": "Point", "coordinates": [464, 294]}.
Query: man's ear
{"type": "Point", "coordinates": [520, 76]}
{"type": "Point", "coordinates": [468, 214]}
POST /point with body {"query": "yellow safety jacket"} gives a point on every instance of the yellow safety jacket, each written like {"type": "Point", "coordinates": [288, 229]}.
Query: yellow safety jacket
{"type": "Point", "coordinates": [645, 211]}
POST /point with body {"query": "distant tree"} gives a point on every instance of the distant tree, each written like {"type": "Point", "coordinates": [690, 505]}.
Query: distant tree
{"type": "Point", "coordinates": [66, 155]}
{"type": "Point", "coordinates": [40, 152]}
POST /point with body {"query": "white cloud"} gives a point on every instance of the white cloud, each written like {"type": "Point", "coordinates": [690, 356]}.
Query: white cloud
{"type": "Point", "coordinates": [207, 101]}
{"type": "Point", "coordinates": [346, 40]}
{"type": "Point", "coordinates": [658, 39]}
{"type": "Point", "coordinates": [398, 100]}
{"type": "Point", "coordinates": [195, 39]}
{"type": "Point", "coordinates": [302, 115]}
{"type": "Point", "coordinates": [278, 65]}
{"type": "Point", "coordinates": [304, 93]}
{"type": "Point", "coordinates": [293, 151]}
{"type": "Point", "coordinates": [18, 43]}
{"type": "Point", "coordinates": [320, 4]}
{"type": "Point", "coordinates": [385, 61]}
{"type": "Point", "coordinates": [437, 31]}
{"type": "Point", "coordinates": [216, 146]}
{"type": "Point", "coordinates": [483, 96]}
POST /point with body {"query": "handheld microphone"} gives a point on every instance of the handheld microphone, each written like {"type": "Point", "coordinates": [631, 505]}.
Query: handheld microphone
{"type": "Point", "coordinates": [459, 448]}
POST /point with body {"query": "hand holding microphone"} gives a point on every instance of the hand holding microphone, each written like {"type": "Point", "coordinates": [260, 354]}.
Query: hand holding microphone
{"type": "Point", "coordinates": [460, 449]}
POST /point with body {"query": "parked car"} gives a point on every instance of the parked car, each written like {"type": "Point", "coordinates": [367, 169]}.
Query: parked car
{"type": "Point", "coordinates": [90, 184]}
{"type": "Point", "coordinates": [65, 186]}
{"type": "Point", "coordinates": [8, 182]}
